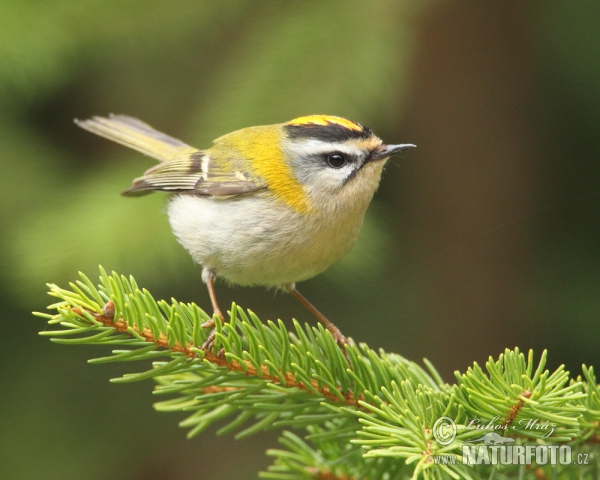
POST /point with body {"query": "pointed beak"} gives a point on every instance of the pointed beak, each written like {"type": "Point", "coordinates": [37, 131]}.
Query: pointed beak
{"type": "Point", "coordinates": [385, 151]}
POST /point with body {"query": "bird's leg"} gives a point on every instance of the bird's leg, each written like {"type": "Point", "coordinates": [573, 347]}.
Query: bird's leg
{"type": "Point", "coordinates": [209, 277]}
{"type": "Point", "coordinates": [210, 285]}
{"type": "Point", "coordinates": [335, 331]}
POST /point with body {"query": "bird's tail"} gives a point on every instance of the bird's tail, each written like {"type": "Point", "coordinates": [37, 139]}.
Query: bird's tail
{"type": "Point", "coordinates": [140, 136]}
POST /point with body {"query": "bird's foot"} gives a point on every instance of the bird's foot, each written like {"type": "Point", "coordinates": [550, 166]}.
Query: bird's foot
{"type": "Point", "coordinates": [210, 340]}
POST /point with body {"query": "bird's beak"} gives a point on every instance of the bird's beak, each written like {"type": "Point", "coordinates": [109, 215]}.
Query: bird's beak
{"type": "Point", "coordinates": [385, 151]}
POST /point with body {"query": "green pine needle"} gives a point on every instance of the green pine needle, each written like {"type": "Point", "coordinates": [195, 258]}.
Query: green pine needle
{"type": "Point", "coordinates": [371, 418]}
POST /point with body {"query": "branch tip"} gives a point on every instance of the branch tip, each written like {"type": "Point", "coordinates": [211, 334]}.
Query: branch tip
{"type": "Point", "coordinates": [220, 359]}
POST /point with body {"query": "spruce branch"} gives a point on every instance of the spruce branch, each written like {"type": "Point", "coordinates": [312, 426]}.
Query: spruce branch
{"type": "Point", "coordinates": [370, 418]}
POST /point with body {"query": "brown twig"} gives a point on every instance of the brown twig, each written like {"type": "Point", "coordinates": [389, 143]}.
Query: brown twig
{"type": "Point", "coordinates": [327, 475]}
{"type": "Point", "coordinates": [290, 379]}
{"type": "Point", "coordinates": [539, 474]}
{"type": "Point", "coordinates": [595, 439]}
{"type": "Point", "coordinates": [514, 410]}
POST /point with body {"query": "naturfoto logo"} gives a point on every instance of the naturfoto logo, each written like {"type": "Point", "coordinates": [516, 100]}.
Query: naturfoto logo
{"type": "Point", "coordinates": [495, 424]}
{"type": "Point", "coordinates": [492, 448]}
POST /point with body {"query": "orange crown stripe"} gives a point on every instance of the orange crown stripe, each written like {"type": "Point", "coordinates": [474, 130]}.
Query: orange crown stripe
{"type": "Point", "coordinates": [325, 120]}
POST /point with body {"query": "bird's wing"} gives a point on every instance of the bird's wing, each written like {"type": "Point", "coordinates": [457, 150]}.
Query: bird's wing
{"type": "Point", "coordinates": [140, 136]}
{"type": "Point", "coordinates": [183, 168]}
{"type": "Point", "coordinates": [197, 174]}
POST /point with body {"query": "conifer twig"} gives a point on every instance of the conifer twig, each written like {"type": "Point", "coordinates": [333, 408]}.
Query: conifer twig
{"type": "Point", "coordinates": [191, 351]}
{"type": "Point", "coordinates": [374, 420]}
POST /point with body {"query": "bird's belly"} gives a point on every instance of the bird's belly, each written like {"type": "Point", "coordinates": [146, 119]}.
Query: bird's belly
{"type": "Point", "coordinates": [255, 241]}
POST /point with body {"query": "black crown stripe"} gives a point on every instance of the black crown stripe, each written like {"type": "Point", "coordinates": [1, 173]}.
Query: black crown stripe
{"type": "Point", "coordinates": [330, 132]}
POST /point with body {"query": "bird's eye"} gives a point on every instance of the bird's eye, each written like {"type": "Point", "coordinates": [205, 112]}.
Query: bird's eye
{"type": "Point", "coordinates": [336, 160]}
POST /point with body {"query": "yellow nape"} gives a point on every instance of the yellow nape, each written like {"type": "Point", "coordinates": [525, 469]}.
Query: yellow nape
{"type": "Point", "coordinates": [325, 120]}
{"type": "Point", "coordinates": [261, 148]}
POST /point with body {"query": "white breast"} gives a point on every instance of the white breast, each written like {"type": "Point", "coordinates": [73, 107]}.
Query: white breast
{"type": "Point", "coordinates": [255, 241]}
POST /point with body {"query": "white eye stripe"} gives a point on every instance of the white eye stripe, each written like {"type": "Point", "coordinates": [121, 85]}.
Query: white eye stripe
{"type": "Point", "coordinates": [318, 147]}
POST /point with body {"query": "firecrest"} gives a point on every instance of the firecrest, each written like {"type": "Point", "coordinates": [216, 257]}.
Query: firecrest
{"type": "Point", "coordinates": [269, 205]}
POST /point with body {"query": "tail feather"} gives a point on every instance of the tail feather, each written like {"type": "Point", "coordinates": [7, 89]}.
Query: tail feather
{"type": "Point", "coordinates": [135, 134]}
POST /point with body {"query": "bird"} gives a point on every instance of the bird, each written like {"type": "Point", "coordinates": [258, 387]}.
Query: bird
{"type": "Point", "coordinates": [269, 205]}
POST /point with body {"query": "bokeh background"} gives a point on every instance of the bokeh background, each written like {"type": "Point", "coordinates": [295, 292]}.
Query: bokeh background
{"type": "Point", "coordinates": [486, 236]}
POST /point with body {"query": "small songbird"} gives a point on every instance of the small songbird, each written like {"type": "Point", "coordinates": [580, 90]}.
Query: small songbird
{"type": "Point", "coordinates": [270, 205]}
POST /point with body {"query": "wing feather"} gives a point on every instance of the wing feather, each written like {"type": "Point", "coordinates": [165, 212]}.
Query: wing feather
{"type": "Point", "coordinates": [183, 168]}
{"type": "Point", "coordinates": [194, 174]}
{"type": "Point", "coordinates": [135, 134]}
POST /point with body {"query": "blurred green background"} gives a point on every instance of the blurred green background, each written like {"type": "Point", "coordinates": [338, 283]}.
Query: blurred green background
{"type": "Point", "coordinates": [487, 236]}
